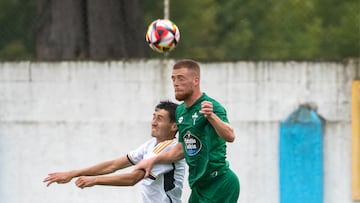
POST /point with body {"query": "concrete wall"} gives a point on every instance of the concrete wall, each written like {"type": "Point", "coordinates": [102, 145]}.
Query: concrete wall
{"type": "Point", "coordinates": [68, 115]}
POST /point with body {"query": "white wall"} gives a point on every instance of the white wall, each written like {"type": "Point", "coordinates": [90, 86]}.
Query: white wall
{"type": "Point", "coordinates": [68, 115]}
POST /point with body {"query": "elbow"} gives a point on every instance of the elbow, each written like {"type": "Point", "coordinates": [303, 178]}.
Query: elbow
{"type": "Point", "coordinates": [136, 177]}
{"type": "Point", "coordinates": [132, 182]}
{"type": "Point", "coordinates": [230, 138]}
{"type": "Point", "coordinates": [228, 134]}
{"type": "Point", "coordinates": [129, 181]}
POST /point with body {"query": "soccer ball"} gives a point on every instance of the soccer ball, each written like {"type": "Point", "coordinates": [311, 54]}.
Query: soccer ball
{"type": "Point", "coordinates": [162, 35]}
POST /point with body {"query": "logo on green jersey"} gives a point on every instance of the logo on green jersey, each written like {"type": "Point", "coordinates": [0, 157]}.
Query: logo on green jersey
{"type": "Point", "coordinates": [194, 117]}
{"type": "Point", "coordinates": [192, 144]}
{"type": "Point", "coordinates": [180, 120]}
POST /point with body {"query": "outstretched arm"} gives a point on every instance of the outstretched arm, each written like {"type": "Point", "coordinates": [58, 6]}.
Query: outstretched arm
{"type": "Point", "coordinates": [98, 169]}
{"type": "Point", "coordinates": [175, 154]}
{"type": "Point", "coordinates": [127, 179]}
{"type": "Point", "coordinates": [222, 128]}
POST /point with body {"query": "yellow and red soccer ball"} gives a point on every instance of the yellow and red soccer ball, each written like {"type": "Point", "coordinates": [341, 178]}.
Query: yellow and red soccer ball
{"type": "Point", "coordinates": [162, 35]}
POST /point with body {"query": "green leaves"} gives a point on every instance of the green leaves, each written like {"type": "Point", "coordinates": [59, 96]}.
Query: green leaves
{"type": "Point", "coordinates": [223, 29]}
{"type": "Point", "coordinates": [267, 30]}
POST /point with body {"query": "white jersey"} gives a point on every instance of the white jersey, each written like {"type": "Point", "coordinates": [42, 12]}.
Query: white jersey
{"type": "Point", "coordinates": [166, 180]}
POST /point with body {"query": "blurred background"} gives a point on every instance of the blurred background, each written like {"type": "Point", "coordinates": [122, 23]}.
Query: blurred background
{"type": "Point", "coordinates": [78, 84]}
{"type": "Point", "coordinates": [210, 29]}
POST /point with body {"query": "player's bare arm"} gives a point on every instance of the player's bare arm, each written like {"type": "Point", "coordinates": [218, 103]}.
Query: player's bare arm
{"type": "Point", "coordinates": [173, 155]}
{"type": "Point", "coordinates": [128, 179]}
{"type": "Point", "coordinates": [98, 169]}
{"type": "Point", "coordinates": [58, 177]}
{"type": "Point", "coordinates": [222, 128]}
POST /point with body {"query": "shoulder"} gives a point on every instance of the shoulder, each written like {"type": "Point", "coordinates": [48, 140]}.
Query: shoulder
{"type": "Point", "coordinates": [150, 141]}
{"type": "Point", "coordinates": [180, 107]}
{"type": "Point", "coordinates": [148, 144]}
{"type": "Point", "coordinates": [164, 146]}
{"type": "Point", "coordinates": [216, 104]}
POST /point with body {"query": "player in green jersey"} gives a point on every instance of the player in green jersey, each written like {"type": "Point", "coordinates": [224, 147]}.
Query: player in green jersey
{"type": "Point", "coordinates": [203, 132]}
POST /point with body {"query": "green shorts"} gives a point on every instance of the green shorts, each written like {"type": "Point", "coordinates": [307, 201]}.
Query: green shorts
{"type": "Point", "coordinates": [222, 189]}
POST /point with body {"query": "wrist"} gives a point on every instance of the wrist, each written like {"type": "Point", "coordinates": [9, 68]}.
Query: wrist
{"type": "Point", "coordinates": [211, 116]}
{"type": "Point", "coordinates": [74, 173]}
{"type": "Point", "coordinates": [95, 181]}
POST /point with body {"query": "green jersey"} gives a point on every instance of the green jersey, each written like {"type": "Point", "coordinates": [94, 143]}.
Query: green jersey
{"type": "Point", "coordinates": [204, 149]}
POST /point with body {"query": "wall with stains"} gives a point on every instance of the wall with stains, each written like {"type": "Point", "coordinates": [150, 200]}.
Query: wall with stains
{"type": "Point", "coordinates": [68, 115]}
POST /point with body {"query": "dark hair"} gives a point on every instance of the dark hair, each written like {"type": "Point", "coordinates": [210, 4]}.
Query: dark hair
{"type": "Point", "coordinates": [168, 106]}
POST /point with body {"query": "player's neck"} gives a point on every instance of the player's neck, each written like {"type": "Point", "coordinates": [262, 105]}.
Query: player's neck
{"type": "Point", "coordinates": [193, 98]}
{"type": "Point", "coordinates": [158, 140]}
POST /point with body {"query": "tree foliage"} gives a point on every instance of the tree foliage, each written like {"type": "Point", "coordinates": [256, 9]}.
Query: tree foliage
{"type": "Point", "coordinates": [210, 29]}
{"type": "Point", "coordinates": [266, 30]}
{"type": "Point", "coordinates": [16, 36]}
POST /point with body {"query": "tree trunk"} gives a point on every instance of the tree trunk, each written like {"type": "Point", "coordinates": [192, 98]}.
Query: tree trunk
{"type": "Point", "coordinates": [90, 29]}
{"type": "Point", "coordinates": [117, 32]}
{"type": "Point", "coordinates": [60, 30]}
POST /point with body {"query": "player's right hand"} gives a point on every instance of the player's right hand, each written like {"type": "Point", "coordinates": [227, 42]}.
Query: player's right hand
{"type": "Point", "coordinates": [59, 177]}
{"type": "Point", "coordinates": [146, 165]}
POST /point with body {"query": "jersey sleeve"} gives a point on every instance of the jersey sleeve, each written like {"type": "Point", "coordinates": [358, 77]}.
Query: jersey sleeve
{"type": "Point", "coordinates": [146, 151]}
{"type": "Point", "coordinates": [159, 169]}
{"type": "Point", "coordinates": [138, 154]}
{"type": "Point", "coordinates": [220, 111]}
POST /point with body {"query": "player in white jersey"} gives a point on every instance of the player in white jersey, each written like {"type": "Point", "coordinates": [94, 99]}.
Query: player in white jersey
{"type": "Point", "coordinates": [166, 180]}
{"type": "Point", "coordinates": [165, 183]}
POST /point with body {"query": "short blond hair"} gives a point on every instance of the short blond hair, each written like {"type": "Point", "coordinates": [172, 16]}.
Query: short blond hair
{"type": "Point", "coordinates": [189, 64]}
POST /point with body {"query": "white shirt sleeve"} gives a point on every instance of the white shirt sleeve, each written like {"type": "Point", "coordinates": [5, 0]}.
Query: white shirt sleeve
{"type": "Point", "coordinates": [139, 154]}
{"type": "Point", "coordinates": [162, 168]}
{"type": "Point", "coordinates": [147, 150]}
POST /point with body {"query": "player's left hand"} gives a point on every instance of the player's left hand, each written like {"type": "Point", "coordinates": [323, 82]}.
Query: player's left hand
{"type": "Point", "coordinates": [206, 108]}
{"type": "Point", "coordinates": [83, 182]}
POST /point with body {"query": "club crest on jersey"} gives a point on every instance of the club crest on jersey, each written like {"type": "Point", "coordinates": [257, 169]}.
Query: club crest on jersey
{"type": "Point", "coordinates": [192, 144]}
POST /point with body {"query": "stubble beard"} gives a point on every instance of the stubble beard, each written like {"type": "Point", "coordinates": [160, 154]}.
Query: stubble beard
{"type": "Point", "coordinates": [182, 97]}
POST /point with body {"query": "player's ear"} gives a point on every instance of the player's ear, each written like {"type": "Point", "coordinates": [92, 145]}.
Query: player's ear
{"type": "Point", "coordinates": [197, 80]}
{"type": "Point", "coordinates": [174, 127]}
